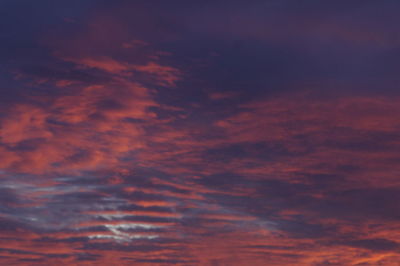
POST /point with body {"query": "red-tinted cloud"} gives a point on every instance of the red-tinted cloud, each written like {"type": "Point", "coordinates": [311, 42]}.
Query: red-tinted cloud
{"type": "Point", "coordinates": [116, 152]}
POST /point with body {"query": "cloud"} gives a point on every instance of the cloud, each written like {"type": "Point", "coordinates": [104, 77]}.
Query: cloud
{"type": "Point", "coordinates": [143, 134]}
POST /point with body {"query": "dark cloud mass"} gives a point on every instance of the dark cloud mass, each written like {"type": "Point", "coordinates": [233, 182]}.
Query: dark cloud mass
{"type": "Point", "coordinates": [199, 133]}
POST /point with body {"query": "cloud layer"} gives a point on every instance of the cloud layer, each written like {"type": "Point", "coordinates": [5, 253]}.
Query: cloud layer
{"type": "Point", "coordinates": [202, 134]}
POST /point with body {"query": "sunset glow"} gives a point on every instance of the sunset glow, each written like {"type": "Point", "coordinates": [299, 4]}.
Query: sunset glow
{"type": "Point", "coordinates": [249, 133]}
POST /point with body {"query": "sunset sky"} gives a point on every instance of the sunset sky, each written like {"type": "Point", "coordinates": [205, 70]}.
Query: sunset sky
{"type": "Point", "coordinates": [221, 133]}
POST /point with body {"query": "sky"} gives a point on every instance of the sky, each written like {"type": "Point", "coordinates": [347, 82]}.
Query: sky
{"type": "Point", "coordinates": [216, 133]}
